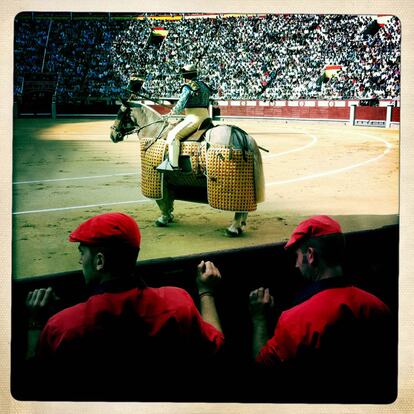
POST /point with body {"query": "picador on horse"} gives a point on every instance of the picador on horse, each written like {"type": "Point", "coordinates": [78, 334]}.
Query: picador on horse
{"type": "Point", "coordinates": [192, 160]}
{"type": "Point", "coordinates": [194, 101]}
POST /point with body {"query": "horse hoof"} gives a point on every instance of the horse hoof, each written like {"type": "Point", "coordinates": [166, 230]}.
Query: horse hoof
{"type": "Point", "coordinates": [163, 221]}
{"type": "Point", "coordinates": [234, 233]}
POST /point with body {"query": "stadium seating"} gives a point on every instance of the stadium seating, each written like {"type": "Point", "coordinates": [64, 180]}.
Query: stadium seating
{"type": "Point", "coordinates": [267, 57]}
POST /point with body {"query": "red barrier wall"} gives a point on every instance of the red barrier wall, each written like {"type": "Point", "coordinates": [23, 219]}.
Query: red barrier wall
{"type": "Point", "coordinates": [301, 109]}
{"type": "Point", "coordinates": [371, 113]}
{"type": "Point", "coordinates": [395, 116]}
{"type": "Point", "coordinates": [287, 112]}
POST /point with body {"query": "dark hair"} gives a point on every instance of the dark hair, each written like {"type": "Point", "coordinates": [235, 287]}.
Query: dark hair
{"type": "Point", "coordinates": [331, 248]}
{"type": "Point", "coordinates": [120, 258]}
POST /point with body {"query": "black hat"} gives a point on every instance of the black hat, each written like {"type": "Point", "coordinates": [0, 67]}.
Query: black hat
{"type": "Point", "coordinates": [135, 82]}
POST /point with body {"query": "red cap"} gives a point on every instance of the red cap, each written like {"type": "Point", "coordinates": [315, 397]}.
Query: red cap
{"type": "Point", "coordinates": [108, 227]}
{"type": "Point", "coordinates": [313, 227]}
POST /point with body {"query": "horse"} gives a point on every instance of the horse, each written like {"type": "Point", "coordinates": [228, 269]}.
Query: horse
{"type": "Point", "coordinates": [221, 165]}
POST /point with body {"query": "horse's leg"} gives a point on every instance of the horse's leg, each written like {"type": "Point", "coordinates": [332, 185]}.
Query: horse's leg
{"type": "Point", "coordinates": [237, 225]}
{"type": "Point", "coordinates": [166, 206]}
{"type": "Point", "coordinates": [243, 220]}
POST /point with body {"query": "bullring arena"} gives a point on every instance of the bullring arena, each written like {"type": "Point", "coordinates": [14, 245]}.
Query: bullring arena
{"type": "Point", "coordinates": [66, 170]}
{"type": "Point", "coordinates": [319, 93]}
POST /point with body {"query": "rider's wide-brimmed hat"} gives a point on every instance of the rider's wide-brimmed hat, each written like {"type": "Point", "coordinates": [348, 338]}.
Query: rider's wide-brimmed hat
{"type": "Point", "coordinates": [189, 70]}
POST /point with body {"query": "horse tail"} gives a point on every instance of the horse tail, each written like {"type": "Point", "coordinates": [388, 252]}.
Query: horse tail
{"type": "Point", "coordinates": [239, 139]}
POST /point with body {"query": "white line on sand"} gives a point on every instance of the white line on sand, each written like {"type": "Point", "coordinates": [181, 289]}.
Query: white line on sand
{"type": "Point", "coordinates": [388, 147]}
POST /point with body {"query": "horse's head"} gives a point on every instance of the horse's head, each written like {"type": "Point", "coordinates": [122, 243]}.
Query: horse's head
{"type": "Point", "coordinates": [135, 116]}
{"type": "Point", "coordinates": [124, 124]}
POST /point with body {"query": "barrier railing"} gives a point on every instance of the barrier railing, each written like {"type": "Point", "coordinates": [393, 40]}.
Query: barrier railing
{"type": "Point", "coordinates": [386, 113]}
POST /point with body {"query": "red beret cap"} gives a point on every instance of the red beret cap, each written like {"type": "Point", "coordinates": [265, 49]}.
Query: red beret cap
{"type": "Point", "coordinates": [108, 227]}
{"type": "Point", "coordinates": [313, 227]}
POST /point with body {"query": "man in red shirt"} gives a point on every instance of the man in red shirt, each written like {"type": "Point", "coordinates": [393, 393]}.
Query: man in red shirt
{"type": "Point", "coordinates": [334, 343]}
{"type": "Point", "coordinates": [128, 341]}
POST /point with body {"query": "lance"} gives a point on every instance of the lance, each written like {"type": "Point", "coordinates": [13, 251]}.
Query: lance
{"type": "Point", "coordinates": [152, 99]}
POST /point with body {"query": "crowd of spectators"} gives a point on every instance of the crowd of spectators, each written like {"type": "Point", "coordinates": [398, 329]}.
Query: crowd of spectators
{"type": "Point", "coordinates": [268, 57]}
{"type": "Point", "coordinates": [29, 42]}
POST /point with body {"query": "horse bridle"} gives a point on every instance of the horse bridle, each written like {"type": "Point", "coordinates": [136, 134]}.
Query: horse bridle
{"type": "Point", "coordinates": [120, 129]}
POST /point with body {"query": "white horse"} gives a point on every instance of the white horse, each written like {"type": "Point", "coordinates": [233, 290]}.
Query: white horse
{"type": "Point", "coordinates": [222, 165]}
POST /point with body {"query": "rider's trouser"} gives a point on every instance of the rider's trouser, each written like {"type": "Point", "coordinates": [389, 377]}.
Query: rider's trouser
{"type": "Point", "coordinates": [193, 119]}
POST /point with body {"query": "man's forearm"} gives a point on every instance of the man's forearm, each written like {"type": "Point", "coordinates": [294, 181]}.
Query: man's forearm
{"type": "Point", "coordinates": [208, 310]}
{"type": "Point", "coordinates": [182, 101]}
{"type": "Point", "coordinates": [260, 335]}
{"type": "Point", "coordinates": [33, 335]}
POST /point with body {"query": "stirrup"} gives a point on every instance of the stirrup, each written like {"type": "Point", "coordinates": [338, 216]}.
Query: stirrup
{"type": "Point", "coordinates": [166, 166]}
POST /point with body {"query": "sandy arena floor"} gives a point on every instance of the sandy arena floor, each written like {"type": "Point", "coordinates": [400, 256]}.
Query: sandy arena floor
{"type": "Point", "coordinates": [67, 170]}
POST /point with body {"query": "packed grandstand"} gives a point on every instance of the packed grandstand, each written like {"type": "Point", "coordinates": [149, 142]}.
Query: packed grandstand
{"type": "Point", "coordinates": [265, 57]}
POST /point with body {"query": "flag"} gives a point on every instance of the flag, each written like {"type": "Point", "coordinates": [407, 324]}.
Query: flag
{"type": "Point", "coordinates": [383, 19]}
{"type": "Point", "coordinates": [332, 70]}
{"type": "Point", "coordinates": [159, 31]}
{"type": "Point", "coordinates": [157, 36]}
